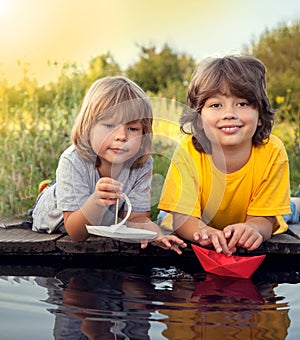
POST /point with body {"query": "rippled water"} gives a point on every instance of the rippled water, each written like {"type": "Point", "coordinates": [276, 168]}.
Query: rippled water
{"type": "Point", "coordinates": [150, 299]}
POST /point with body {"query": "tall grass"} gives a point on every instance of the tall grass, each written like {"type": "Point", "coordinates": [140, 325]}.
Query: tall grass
{"type": "Point", "coordinates": [31, 140]}
{"type": "Point", "coordinates": [34, 134]}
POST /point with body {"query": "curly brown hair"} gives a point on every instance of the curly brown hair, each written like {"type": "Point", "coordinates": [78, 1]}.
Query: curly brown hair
{"type": "Point", "coordinates": [240, 76]}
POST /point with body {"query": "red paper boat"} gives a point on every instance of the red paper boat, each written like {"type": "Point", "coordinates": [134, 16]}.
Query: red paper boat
{"type": "Point", "coordinates": [223, 265]}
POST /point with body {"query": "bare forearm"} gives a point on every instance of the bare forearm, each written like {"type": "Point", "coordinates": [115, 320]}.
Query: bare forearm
{"type": "Point", "coordinates": [264, 225]}
{"type": "Point", "coordinates": [143, 221]}
{"type": "Point", "coordinates": [75, 221]}
{"type": "Point", "coordinates": [186, 226]}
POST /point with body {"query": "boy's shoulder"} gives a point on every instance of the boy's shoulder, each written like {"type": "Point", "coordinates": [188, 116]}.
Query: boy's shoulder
{"type": "Point", "coordinates": [71, 156]}
{"type": "Point", "coordinates": [186, 144]}
{"type": "Point", "coordinates": [274, 142]}
{"type": "Point", "coordinates": [69, 151]}
{"type": "Point", "coordinates": [186, 141]}
{"type": "Point", "coordinates": [147, 165]}
{"type": "Point", "coordinates": [274, 147]}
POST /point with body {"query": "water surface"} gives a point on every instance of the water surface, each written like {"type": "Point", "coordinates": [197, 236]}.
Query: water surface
{"type": "Point", "coordinates": [150, 299]}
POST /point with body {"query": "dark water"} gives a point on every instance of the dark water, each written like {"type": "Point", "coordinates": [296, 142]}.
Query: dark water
{"type": "Point", "coordinates": [129, 298]}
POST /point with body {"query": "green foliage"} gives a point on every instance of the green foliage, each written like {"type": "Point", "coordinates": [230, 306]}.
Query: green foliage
{"type": "Point", "coordinates": [162, 72]}
{"type": "Point", "coordinates": [162, 154]}
{"type": "Point", "coordinates": [102, 66]}
{"type": "Point", "coordinates": [279, 51]}
{"type": "Point", "coordinates": [31, 140]}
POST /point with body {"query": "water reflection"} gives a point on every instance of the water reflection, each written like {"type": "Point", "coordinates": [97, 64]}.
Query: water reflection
{"type": "Point", "coordinates": [163, 303]}
{"type": "Point", "coordinates": [100, 304]}
{"type": "Point", "coordinates": [226, 307]}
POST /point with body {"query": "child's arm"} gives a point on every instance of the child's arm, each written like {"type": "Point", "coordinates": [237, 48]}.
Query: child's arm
{"type": "Point", "coordinates": [142, 220]}
{"type": "Point", "coordinates": [106, 193]}
{"type": "Point", "coordinates": [194, 229]}
{"type": "Point", "coordinates": [248, 235]}
{"type": "Point", "coordinates": [251, 233]}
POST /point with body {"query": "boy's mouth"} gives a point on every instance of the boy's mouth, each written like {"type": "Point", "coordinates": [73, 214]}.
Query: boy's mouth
{"type": "Point", "coordinates": [119, 150]}
{"type": "Point", "coordinates": [230, 128]}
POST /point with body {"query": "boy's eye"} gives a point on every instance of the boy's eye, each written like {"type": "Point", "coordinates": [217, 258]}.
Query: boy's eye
{"type": "Point", "coordinates": [131, 128]}
{"type": "Point", "coordinates": [109, 126]}
{"type": "Point", "coordinates": [134, 127]}
{"type": "Point", "coordinates": [243, 104]}
{"type": "Point", "coordinates": [215, 105]}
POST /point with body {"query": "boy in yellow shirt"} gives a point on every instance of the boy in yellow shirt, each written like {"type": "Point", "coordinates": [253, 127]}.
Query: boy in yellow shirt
{"type": "Point", "coordinates": [228, 182]}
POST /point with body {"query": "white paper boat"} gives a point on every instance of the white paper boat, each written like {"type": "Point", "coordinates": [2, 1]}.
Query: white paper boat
{"type": "Point", "coordinates": [120, 231]}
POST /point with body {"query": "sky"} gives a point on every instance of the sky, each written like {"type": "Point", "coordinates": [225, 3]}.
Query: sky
{"type": "Point", "coordinates": [36, 32]}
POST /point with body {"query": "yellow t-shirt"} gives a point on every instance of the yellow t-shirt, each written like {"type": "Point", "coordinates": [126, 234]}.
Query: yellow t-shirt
{"type": "Point", "coordinates": [195, 187]}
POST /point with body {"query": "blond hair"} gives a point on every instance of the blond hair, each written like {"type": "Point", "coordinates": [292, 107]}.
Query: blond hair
{"type": "Point", "coordinates": [122, 99]}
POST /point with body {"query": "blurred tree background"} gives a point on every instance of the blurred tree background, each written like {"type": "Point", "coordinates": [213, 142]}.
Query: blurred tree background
{"type": "Point", "coordinates": [279, 50]}
{"type": "Point", "coordinates": [35, 121]}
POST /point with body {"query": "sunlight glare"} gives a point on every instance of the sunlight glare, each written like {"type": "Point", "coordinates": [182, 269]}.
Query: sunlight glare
{"type": "Point", "coordinates": [5, 7]}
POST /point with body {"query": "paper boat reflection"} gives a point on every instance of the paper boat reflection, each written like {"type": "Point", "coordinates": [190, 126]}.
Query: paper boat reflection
{"type": "Point", "coordinates": [227, 287]}
{"type": "Point", "coordinates": [221, 264]}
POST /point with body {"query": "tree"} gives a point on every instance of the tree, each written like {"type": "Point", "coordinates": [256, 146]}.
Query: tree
{"type": "Point", "coordinates": [73, 82]}
{"type": "Point", "coordinates": [102, 66]}
{"type": "Point", "coordinates": [279, 51]}
{"type": "Point", "coordinates": [162, 72]}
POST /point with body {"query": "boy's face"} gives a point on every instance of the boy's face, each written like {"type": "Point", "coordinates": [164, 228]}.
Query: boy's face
{"type": "Point", "coordinates": [115, 144]}
{"type": "Point", "coordinates": [229, 121]}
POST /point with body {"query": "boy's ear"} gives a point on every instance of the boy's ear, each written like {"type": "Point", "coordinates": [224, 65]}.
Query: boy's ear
{"type": "Point", "coordinates": [259, 123]}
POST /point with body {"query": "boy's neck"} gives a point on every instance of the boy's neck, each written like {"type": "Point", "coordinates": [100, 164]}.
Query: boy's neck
{"type": "Point", "coordinates": [109, 170]}
{"type": "Point", "coordinates": [230, 159]}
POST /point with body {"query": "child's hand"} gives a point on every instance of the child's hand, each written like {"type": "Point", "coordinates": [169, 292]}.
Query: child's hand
{"type": "Point", "coordinates": [142, 220]}
{"type": "Point", "coordinates": [210, 236]}
{"type": "Point", "coordinates": [243, 235]}
{"type": "Point", "coordinates": [107, 191]}
{"type": "Point", "coordinates": [171, 242]}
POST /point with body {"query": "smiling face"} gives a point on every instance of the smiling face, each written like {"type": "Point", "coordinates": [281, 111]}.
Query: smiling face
{"type": "Point", "coordinates": [229, 121]}
{"type": "Point", "coordinates": [115, 144]}
{"type": "Point", "coordinates": [236, 77]}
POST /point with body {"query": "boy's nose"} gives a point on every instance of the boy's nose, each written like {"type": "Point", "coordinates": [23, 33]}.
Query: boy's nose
{"type": "Point", "coordinates": [121, 133]}
{"type": "Point", "coordinates": [230, 113]}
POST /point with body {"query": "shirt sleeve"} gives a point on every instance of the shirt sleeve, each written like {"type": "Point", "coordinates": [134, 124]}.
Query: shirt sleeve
{"type": "Point", "coordinates": [271, 197]}
{"type": "Point", "coordinates": [73, 187]}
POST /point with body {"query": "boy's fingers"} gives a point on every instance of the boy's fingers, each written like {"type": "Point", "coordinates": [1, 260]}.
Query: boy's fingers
{"type": "Point", "coordinates": [204, 234]}
{"type": "Point", "coordinates": [144, 244]}
{"type": "Point", "coordinates": [228, 231]}
{"type": "Point", "coordinates": [220, 244]}
{"type": "Point", "coordinates": [110, 184]}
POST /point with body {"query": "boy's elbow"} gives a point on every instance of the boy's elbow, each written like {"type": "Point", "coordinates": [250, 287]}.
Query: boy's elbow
{"type": "Point", "coordinates": [77, 235]}
{"type": "Point", "coordinates": [78, 238]}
